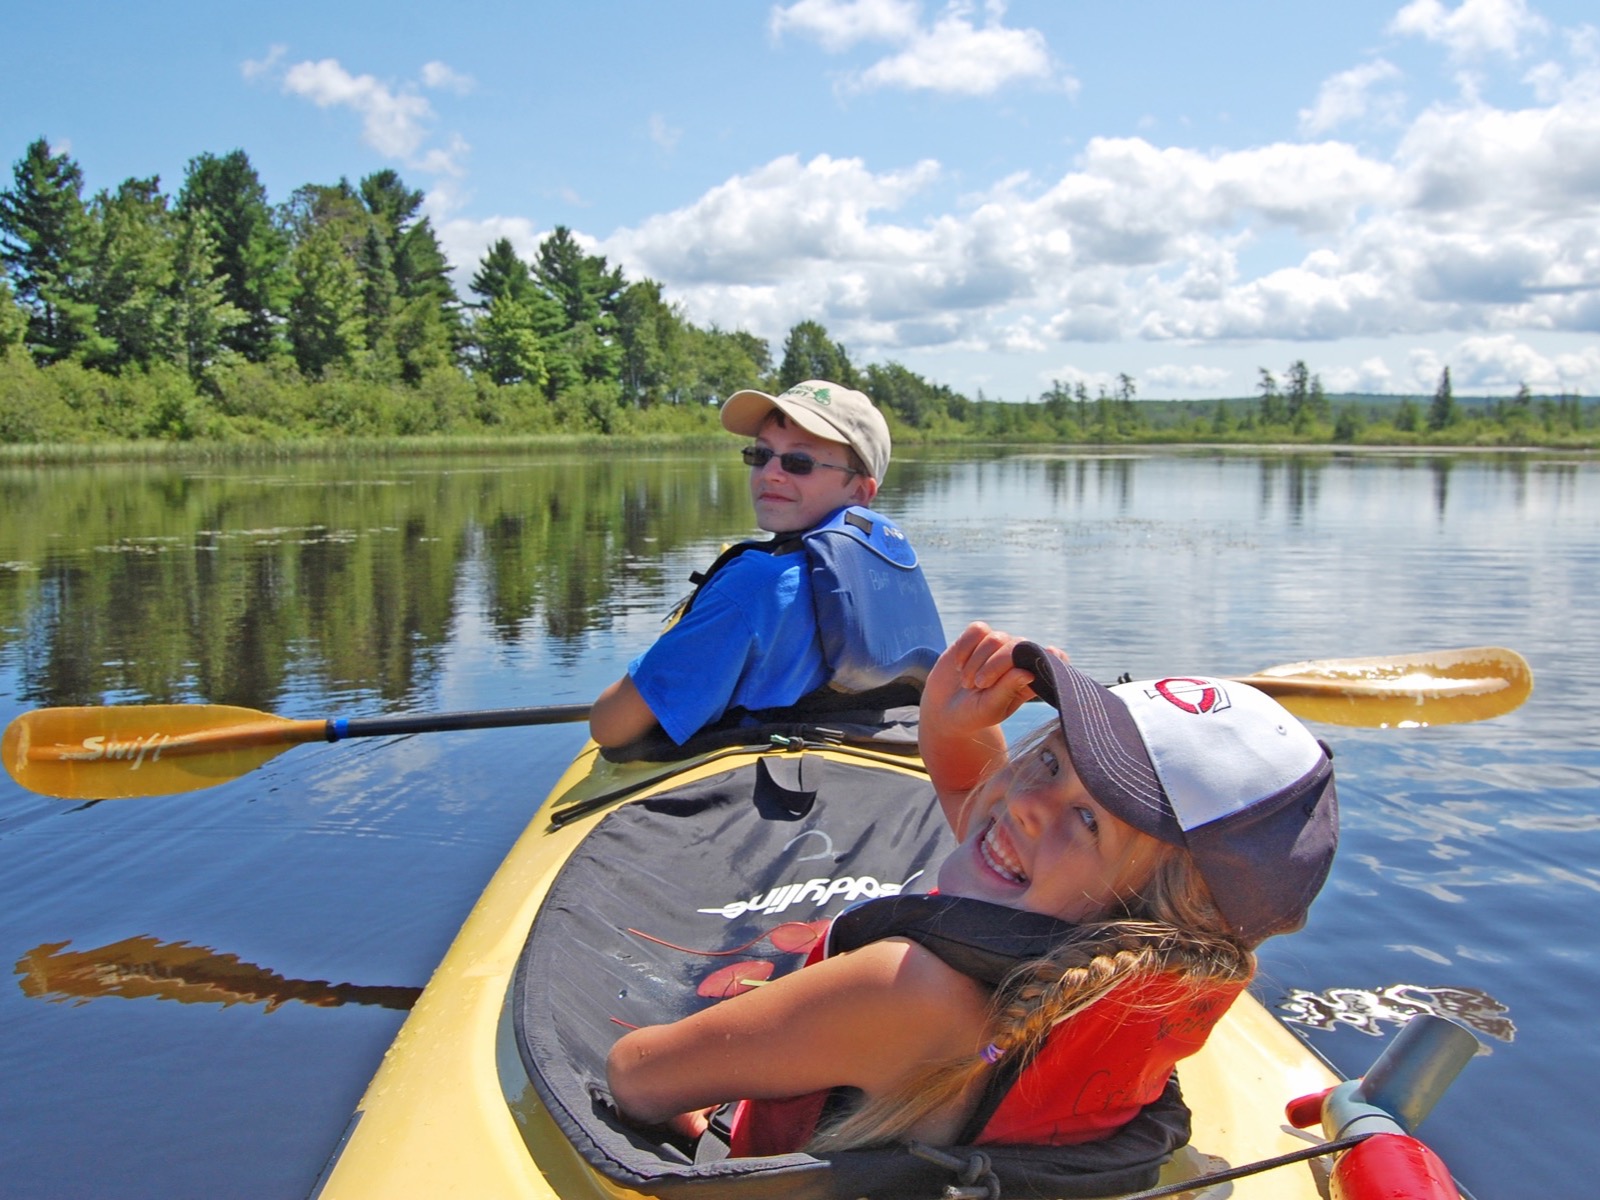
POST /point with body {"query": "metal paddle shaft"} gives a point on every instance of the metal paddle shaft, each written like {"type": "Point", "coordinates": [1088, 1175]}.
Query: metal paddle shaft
{"type": "Point", "coordinates": [119, 751]}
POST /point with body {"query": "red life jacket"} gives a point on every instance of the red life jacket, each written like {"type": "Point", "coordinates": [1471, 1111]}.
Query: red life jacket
{"type": "Point", "coordinates": [1095, 1071]}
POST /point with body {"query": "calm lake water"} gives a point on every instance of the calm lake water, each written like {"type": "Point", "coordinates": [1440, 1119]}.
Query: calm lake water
{"type": "Point", "coordinates": [204, 983]}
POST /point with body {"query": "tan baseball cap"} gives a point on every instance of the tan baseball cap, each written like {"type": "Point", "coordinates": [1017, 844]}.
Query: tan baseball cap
{"type": "Point", "coordinates": [824, 409]}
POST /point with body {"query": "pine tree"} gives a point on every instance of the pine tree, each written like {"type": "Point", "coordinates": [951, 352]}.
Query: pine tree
{"type": "Point", "coordinates": [501, 274]}
{"type": "Point", "coordinates": [251, 250]}
{"type": "Point", "coordinates": [1271, 401]}
{"type": "Point", "coordinates": [47, 243]}
{"type": "Point", "coordinates": [132, 278]}
{"type": "Point", "coordinates": [199, 314]}
{"type": "Point", "coordinates": [1442, 412]}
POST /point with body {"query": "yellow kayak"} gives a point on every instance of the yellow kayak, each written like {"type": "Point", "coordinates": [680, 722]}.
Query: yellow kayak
{"type": "Point", "coordinates": [455, 1110]}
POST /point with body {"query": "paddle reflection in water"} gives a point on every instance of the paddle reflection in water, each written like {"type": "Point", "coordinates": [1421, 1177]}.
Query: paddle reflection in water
{"type": "Point", "coordinates": [140, 967]}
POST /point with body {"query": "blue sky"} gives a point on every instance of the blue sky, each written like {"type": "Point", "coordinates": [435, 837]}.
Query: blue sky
{"type": "Point", "coordinates": [997, 195]}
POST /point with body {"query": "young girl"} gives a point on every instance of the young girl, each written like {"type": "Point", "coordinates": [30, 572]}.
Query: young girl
{"type": "Point", "coordinates": [1130, 854]}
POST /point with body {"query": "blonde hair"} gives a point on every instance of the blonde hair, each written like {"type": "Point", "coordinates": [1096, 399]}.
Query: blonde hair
{"type": "Point", "coordinates": [1169, 926]}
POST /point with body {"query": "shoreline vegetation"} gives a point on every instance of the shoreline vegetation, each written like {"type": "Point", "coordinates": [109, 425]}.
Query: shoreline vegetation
{"type": "Point", "coordinates": [212, 323]}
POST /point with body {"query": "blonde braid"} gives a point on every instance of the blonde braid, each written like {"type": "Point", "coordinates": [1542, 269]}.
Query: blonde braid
{"type": "Point", "coordinates": [1171, 928]}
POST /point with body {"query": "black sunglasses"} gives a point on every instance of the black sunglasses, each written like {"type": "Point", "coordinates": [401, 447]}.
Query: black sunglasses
{"type": "Point", "coordinates": [794, 463]}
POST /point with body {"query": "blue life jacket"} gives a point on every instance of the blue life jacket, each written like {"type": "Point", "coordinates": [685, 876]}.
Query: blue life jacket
{"type": "Point", "coordinates": [876, 617]}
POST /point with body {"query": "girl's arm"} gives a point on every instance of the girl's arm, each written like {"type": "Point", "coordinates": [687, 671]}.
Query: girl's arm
{"type": "Point", "coordinates": [970, 691]}
{"type": "Point", "coordinates": [864, 1019]}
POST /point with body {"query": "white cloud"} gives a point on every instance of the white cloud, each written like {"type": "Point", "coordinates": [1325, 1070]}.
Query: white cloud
{"type": "Point", "coordinates": [1350, 96]}
{"type": "Point", "coordinates": [839, 24]}
{"type": "Point", "coordinates": [1371, 375]}
{"type": "Point", "coordinates": [1473, 28]}
{"type": "Point", "coordinates": [392, 121]}
{"type": "Point", "coordinates": [785, 218]}
{"type": "Point", "coordinates": [446, 159]}
{"type": "Point", "coordinates": [952, 55]}
{"type": "Point", "coordinates": [438, 75]}
{"type": "Point", "coordinates": [395, 120]}
{"type": "Point", "coordinates": [1502, 362]}
{"type": "Point", "coordinates": [1180, 378]}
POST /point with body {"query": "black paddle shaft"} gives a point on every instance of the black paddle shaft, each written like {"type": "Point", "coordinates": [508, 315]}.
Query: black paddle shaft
{"type": "Point", "coordinates": [340, 728]}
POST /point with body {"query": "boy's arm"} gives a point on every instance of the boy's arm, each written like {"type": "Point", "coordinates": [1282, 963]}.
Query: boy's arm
{"type": "Point", "coordinates": [970, 691]}
{"type": "Point", "coordinates": [620, 714]}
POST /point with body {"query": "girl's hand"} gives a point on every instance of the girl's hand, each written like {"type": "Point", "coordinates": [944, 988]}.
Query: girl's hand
{"type": "Point", "coordinates": [974, 685]}
{"type": "Point", "coordinates": [972, 688]}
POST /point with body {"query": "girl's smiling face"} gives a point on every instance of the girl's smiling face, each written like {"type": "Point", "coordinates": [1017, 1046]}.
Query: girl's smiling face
{"type": "Point", "coordinates": [1045, 844]}
{"type": "Point", "coordinates": [786, 503]}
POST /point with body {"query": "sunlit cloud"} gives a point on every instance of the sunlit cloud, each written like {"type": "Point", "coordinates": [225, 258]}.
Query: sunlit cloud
{"type": "Point", "coordinates": [438, 75]}
{"type": "Point", "coordinates": [396, 120]}
{"type": "Point", "coordinates": [1472, 28]}
{"type": "Point", "coordinates": [953, 54]}
{"type": "Point", "coordinates": [836, 25]}
{"type": "Point", "coordinates": [1351, 96]}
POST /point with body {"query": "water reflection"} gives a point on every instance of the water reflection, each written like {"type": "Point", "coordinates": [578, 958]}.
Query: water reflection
{"type": "Point", "coordinates": [143, 967]}
{"type": "Point", "coordinates": [1371, 1012]}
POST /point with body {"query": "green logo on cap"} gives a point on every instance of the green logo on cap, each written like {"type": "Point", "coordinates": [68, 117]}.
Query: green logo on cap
{"type": "Point", "coordinates": [804, 391]}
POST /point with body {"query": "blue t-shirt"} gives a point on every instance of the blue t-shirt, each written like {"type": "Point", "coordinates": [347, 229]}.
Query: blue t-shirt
{"type": "Point", "coordinates": [749, 641]}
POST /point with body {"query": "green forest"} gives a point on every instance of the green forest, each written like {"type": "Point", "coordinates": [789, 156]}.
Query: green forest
{"type": "Point", "coordinates": [216, 317]}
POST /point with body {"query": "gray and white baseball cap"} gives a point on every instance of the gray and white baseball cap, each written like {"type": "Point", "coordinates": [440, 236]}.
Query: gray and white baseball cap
{"type": "Point", "coordinates": [1212, 765]}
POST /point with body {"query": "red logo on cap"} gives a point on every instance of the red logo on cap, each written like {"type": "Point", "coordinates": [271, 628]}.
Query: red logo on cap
{"type": "Point", "coordinates": [1192, 695]}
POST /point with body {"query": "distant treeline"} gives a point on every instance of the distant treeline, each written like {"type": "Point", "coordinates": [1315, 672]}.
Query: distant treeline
{"type": "Point", "coordinates": [215, 315]}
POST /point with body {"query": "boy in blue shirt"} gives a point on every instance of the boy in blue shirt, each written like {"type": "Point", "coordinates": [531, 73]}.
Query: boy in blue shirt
{"type": "Point", "coordinates": [749, 640]}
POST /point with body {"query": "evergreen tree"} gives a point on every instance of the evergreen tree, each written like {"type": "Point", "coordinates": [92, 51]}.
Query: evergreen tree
{"type": "Point", "coordinates": [1318, 405]}
{"type": "Point", "coordinates": [47, 244]}
{"type": "Point", "coordinates": [1271, 402]}
{"type": "Point", "coordinates": [1221, 419]}
{"type": "Point", "coordinates": [199, 314]}
{"type": "Point", "coordinates": [1129, 417]}
{"type": "Point", "coordinates": [377, 294]}
{"type": "Point", "coordinates": [132, 278]}
{"type": "Point", "coordinates": [412, 307]}
{"type": "Point", "coordinates": [327, 323]}
{"type": "Point", "coordinates": [1442, 412]}
{"type": "Point", "coordinates": [1297, 396]}
{"type": "Point", "coordinates": [587, 293]}
{"type": "Point", "coordinates": [251, 250]}
{"type": "Point", "coordinates": [501, 274]}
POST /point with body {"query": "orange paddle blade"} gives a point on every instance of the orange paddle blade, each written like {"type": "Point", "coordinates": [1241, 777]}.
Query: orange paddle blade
{"type": "Point", "coordinates": [111, 752]}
